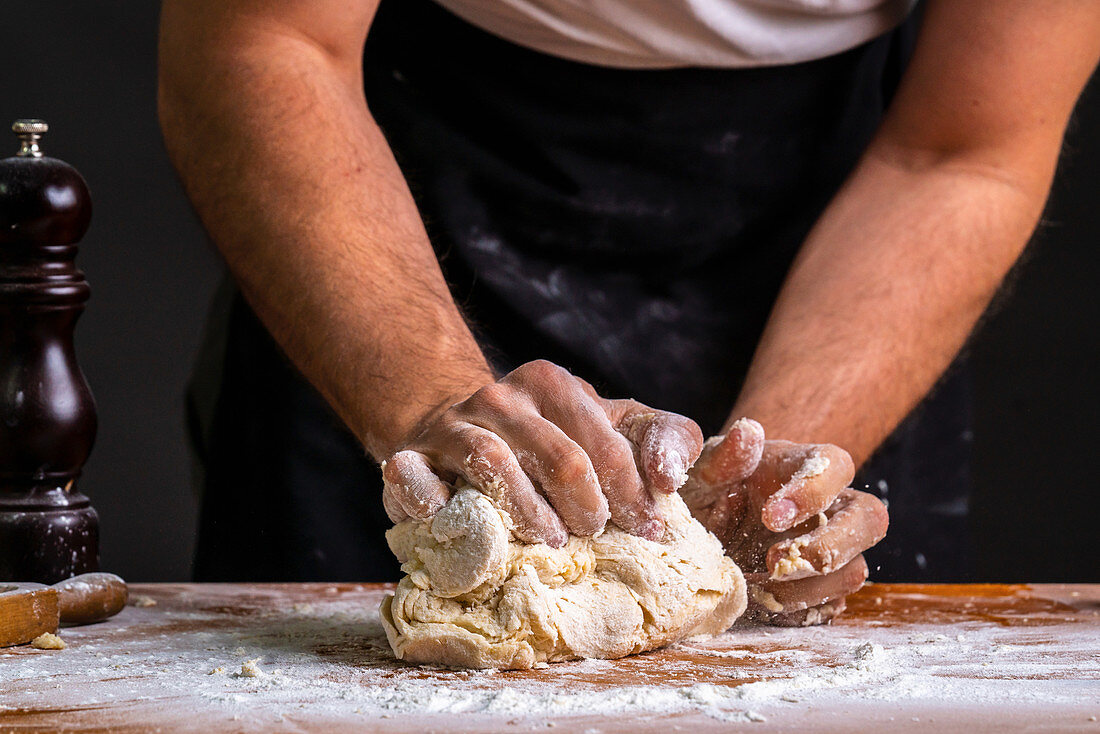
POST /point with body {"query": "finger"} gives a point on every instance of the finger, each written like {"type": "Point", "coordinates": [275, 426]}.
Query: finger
{"type": "Point", "coordinates": [564, 472]}
{"type": "Point", "coordinates": [552, 459]}
{"type": "Point", "coordinates": [668, 443]}
{"type": "Point", "coordinates": [410, 487]}
{"type": "Point", "coordinates": [587, 488]}
{"type": "Point", "coordinates": [486, 462]}
{"type": "Point", "coordinates": [394, 511]}
{"type": "Point", "coordinates": [854, 523]}
{"type": "Point", "coordinates": [583, 420]}
{"type": "Point", "coordinates": [734, 456]}
{"type": "Point", "coordinates": [813, 476]}
{"type": "Point", "coordinates": [752, 541]}
{"type": "Point", "coordinates": [775, 597]}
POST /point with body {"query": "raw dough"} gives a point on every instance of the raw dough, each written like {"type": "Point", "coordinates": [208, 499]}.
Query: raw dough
{"type": "Point", "coordinates": [251, 669]}
{"type": "Point", "coordinates": [476, 597]}
{"type": "Point", "coordinates": [48, 641]}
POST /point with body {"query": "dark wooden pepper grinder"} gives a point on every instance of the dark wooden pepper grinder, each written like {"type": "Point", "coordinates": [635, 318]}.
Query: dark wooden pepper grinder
{"type": "Point", "coordinates": [48, 529]}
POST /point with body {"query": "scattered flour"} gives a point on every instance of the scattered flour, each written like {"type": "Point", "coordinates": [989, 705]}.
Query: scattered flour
{"type": "Point", "coordinates": [334, 663]}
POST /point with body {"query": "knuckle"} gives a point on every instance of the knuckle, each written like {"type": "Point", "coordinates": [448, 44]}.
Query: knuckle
{"type": "Point", "coordinates": [634, 420]}
{"type": "Point", "coordinates": [542, 368]}
{"type": "Point", "coordinates": [483, 449]}
{"type": "Point", "coordinates": [493, 399]}
{"type": "Point", "coordinates": [615, 460]}
{"type": "Point", "coordinates": [543, 374]}
{"type": "Point", "coordinates": [692, 433]}
{"type": "Point", "coordinates": [680, 426]}
{"type": "Point", "coordinates": [568, 465]}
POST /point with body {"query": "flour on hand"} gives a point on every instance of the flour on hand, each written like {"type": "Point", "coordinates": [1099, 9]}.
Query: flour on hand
{"type": "Point", "coordinates": [476, 597]}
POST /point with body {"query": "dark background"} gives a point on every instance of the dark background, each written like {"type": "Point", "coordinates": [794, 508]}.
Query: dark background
{"type": "Point", "coordinates": [89, 69]}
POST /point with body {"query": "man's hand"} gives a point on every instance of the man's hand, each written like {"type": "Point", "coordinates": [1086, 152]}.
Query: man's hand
{"type": "Point", "coordinates": [541, 428]}
{"type": "Point", "coordinates": [786, 515]}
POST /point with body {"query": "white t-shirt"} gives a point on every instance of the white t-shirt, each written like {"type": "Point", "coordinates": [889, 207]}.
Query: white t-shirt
{"type": "Point", "coordinates": [672, 33]}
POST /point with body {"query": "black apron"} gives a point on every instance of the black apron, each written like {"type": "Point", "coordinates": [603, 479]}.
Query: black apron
{"type": "Point", "coordinates": [633, 226]}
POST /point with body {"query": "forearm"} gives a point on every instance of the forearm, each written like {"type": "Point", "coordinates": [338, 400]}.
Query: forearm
{"type": "Point", "coordinates": [882, 297]}
{"type": "Point", "coordinates": [298, 188]}
{"type": "Point", "coordinates": [897, 271]}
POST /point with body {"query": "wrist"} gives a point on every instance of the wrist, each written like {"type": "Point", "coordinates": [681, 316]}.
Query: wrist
{"type": "Point", "coordinates": [416, 409]}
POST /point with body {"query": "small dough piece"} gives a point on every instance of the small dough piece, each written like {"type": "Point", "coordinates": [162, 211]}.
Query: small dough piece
{"type": "Point", "coordinates": [251, 669]}
{"type": "Point", "coordinates": [48, 641]}
{"type": "Point", "coordinates": [793, 564]}
{"type": "Point", "coordinates": [474, 596]}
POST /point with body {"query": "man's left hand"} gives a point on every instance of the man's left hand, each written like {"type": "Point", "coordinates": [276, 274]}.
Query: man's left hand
{"type": "Point", "coordinates": [787, 516]}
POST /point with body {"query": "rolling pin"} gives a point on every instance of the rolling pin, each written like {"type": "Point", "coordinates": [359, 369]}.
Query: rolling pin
{"type": "Point", "coordinates": [28, 610]}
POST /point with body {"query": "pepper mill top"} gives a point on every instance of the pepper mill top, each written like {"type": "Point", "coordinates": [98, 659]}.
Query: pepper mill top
{"type": "Point", "coordinates": [44, 201]}
{"type": "Point", "coordinates": [30, 132]}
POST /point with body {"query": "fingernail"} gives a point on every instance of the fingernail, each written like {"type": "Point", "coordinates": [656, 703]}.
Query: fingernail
{"type": "Point", "coordinates": [783, 513]}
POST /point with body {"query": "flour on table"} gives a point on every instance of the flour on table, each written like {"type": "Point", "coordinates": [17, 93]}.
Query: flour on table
{"type": "Point", "coordinates": [474, 596]}
{"type": "Point", "coordinates": [334, 667]}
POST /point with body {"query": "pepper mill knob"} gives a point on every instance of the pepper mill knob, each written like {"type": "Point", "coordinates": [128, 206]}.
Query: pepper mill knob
{"type": "Point", "coordinates": [30, 132]}
{"type": "Point", "coordinates": [48, 529]}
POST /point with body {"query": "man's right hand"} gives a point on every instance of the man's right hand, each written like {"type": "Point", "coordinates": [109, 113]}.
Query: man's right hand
{"type": "Point", "coordinates": [551, 452]}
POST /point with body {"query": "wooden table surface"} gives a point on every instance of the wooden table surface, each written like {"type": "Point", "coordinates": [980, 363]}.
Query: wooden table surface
{"type": "Point", "coordinates": [905, 657]}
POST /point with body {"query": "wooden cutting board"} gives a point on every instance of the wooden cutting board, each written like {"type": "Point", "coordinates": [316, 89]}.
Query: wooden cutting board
{"type": "Point", "coordinates": [904, 658]}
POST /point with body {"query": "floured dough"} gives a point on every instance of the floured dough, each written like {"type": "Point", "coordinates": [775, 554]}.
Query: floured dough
{"type": "Point", "coordinates": [48, 641]}
{"type": "Point", "coordinates": [474, 596]}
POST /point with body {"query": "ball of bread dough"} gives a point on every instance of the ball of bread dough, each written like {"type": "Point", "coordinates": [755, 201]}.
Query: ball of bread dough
{"type": "Point", "coordinates": [476, 597]}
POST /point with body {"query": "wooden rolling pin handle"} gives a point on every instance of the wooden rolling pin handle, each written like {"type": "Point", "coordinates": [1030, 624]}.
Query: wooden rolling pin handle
{"type": "Point", "coordinates": [91, 597]}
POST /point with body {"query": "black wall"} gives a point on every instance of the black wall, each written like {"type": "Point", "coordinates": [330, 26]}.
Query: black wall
{"type": "Point", "coordinates": [1037, 435]}
{"type": "Point", "coordinates": [89, 69]}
